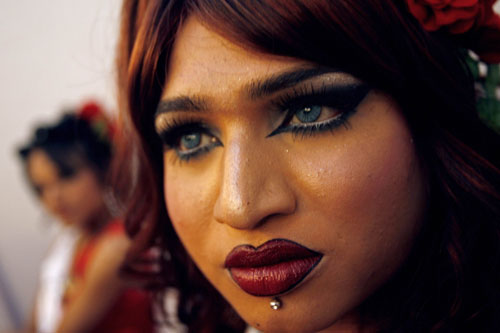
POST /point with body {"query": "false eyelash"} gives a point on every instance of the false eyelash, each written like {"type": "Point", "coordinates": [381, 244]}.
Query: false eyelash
{"type": "Point", "coordinates": [343, 98]}
{"type": "Point", "coordinates": [175, 128]}
{"type": "Point", "coordinates": [303, 93]}
{"type": "Point", "coordinates": [171, 131]}
{"type": "Point", "coordinates": [328, 125]}
{"type": "Point", "coordinates": [340, 97]}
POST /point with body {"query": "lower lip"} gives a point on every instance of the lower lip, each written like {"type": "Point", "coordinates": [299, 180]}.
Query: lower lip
{"type": "Point", "coordinates": [273, 279]}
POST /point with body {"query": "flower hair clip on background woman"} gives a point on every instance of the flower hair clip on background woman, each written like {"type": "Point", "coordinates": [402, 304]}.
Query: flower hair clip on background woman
{"type": "Point", "coordinates": [326, 155]}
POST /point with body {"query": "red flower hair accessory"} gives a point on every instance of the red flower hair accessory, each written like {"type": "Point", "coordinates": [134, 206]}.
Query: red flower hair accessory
{"type": "Point", "coordinates": [463, 16]}
{"type": "Point", "coordinates": [99, 122]}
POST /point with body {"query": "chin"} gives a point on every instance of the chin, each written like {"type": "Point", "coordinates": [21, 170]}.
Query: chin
{"type": "Point", "coordinates": [294, 317]}
{"type": "Point", "coordinates": [305, 322]}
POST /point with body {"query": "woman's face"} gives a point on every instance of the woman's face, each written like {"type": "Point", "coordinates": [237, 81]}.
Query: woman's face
{"type": "Point", "coordinates": [73, 199]}
{"type": "Point", "coordinates": [285, 179]}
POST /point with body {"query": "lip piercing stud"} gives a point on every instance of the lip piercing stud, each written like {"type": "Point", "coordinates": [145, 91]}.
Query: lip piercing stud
{"type": "Point", "coordinates": [275, 303]}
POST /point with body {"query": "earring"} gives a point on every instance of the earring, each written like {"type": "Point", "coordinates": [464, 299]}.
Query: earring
{"type": "Point", "coordinates": [275, 303]}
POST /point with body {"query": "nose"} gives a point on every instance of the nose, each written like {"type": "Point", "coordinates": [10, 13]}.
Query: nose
{"type": "Point", "coordinates": [253, 186]}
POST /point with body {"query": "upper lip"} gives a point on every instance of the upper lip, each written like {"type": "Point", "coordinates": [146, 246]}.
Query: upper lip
{"type": "Point", "coordinates": [270, 253]}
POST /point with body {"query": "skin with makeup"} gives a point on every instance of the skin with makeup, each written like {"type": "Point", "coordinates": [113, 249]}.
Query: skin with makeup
{"type": "Point", "coordinates": [294, 198]}
{"type": "Point", "coordinates": [301, 187]}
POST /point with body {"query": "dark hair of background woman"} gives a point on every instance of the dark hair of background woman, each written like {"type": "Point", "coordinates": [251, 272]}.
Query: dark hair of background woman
{"type": "Point", "coordinates": [451, 281]}
{"type": "Point", "coordinates": [71, 144]}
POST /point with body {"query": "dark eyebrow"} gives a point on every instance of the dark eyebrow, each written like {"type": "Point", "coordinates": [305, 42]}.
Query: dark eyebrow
{"type": "Point", "coordinates": [181, 103]}
{"type": "Point", "coordinates": [268, 86]}
{"type": "Point", "coordinates": [255, 89]}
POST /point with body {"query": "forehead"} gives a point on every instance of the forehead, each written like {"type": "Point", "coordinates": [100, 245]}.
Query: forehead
{"type": "Point", "coordinates": [40, 167]}
{"type": "Point", "coordinates": [202, 59]}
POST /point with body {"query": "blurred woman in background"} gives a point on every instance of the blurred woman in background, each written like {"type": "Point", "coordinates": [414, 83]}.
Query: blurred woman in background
{"type": "Point", "coordinates": [66, 164]}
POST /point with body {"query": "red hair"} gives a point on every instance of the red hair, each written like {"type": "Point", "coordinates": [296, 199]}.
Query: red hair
{"type": "Point", "coordinates": [451, 281]}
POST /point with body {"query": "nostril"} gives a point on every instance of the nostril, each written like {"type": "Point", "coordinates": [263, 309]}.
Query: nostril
{"type": "Point", "coordinates": [268, 218]}
{"type": "Point", "coordinates": [268, 203]}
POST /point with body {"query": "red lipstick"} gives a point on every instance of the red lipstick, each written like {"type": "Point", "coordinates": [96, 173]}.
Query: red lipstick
{"type": "Point", "coordinates": [272, 268]}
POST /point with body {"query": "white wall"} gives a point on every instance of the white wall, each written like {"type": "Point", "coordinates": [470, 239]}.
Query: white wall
{"type": "Point", "coordinates": [53, 53]}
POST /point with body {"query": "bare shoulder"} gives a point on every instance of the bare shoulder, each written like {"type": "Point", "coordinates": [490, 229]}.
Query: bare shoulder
{"type": "Point", "coordinates": [110, 252]}
{"type": "Point", "coordinates": [113, 243]}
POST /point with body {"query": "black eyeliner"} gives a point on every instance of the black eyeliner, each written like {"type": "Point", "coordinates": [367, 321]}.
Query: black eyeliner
{"type": "Point", "coordinates": [186, 156]}
{"type": "Point", "coordinates": [344, 98]}
{"type": "Point", "coordinates": [175, 129]}
{"type": "Point", "coordinates": [328, 125]}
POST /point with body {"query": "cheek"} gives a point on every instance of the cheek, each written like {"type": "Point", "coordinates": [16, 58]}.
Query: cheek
{"type": "Point", "coordinates": [189, 203]}
{"type": "Point", "coordinates": [84, 193]}
{"type": "Point", "coordinates": [49, 204]}
{"type": "Point", "coordinates": [369, 192]}
{"type": "Point", "coordinates": [368, 179]}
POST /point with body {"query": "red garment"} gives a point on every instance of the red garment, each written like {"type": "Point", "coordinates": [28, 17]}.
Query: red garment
{"type": "Point", "coordinates": [132, 311]}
